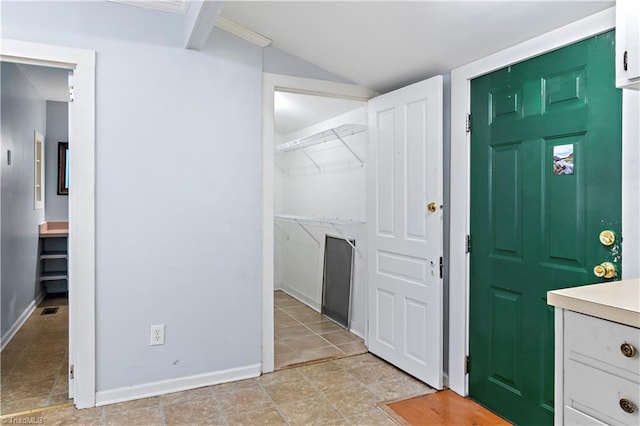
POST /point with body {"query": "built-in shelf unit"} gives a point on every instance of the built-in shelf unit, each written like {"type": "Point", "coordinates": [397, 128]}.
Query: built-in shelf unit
{"type": "Point", "coordinates": [335, 129]}
{"type": "Point", "coordinates": [53, 256]}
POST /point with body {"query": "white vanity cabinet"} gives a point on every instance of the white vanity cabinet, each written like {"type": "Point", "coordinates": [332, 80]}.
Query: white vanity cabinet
{"type": "Point", "coordinates": [628, 44]}
{"type": "Point", "coordinates": [597, 354]}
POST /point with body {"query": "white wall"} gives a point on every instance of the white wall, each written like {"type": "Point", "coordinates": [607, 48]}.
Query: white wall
{"type": "Point", "coordinates": [22, 111]}
{"type": "Point", "coordinates": [630, 184]}
{"type": "Point", "coordinates": [338, 191]}
{"type": "Point", "coordinates": [178, 181]}
{"type": "Point", "coordinates": [56, 206]}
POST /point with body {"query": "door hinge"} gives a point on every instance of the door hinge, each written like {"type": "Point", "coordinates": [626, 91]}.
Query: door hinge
{"type": "Point", "coordinates": [71, 93]}
{"type": "Point", "coordinates": [71, 372]}
{"type": "Point", "coordinates": [468, 244]}
{"type": "Point", "coordinates": [441, 266]}
{"type": "Point", "coordinates": [466, 365]}
{"type": "Point", "coordinates": [468, 123]}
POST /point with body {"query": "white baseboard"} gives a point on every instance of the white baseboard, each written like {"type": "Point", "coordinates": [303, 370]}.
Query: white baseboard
{"type": "Point", "coordinates": [313, 304]}
{"type": "Point", "coordinates": [176, 385]}
{"type": "Point", "coordinates": [357, 329]}
{"type": "Point", "coordinates": [24, 316]}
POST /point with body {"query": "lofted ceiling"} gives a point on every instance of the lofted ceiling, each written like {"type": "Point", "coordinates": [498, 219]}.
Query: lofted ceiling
{"type": "Point", "coordinates": [381, 45]}
{"type": "Point", "coordinates": [384, 45]}
{"type": "Point", "coordinates": [171, 6]}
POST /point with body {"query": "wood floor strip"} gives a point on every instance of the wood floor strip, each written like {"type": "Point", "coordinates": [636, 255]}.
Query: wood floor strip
{"type": "Point", "coordinates": [443, 408]}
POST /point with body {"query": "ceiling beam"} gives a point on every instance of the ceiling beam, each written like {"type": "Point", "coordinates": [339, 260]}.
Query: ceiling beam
{"type": "Point", "coordinates": [242, 32]}
{"type": "Point", "coordinates": [199, 20]}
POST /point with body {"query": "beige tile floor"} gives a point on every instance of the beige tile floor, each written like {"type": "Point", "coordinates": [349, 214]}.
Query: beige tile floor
{"type": "Point", "coordinates": [302, 335]}
{"type": "Point", "coordinates": [343, 391]}
{"type": "Point", "coordinates": [33, 366]}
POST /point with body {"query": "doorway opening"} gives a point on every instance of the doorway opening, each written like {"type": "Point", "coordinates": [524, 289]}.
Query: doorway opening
{"type": "Point", "coordinates": [35, 356]}
{"type": "Point", "coordinates": [81, 207]}
{"type": "Point", "coordinates": [273, 83]}
{"type": "Point", "coordinates": [319, 198]}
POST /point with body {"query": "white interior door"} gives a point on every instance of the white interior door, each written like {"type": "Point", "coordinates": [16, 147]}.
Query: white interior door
{"type": "Point", "coordinates": [405, 237]}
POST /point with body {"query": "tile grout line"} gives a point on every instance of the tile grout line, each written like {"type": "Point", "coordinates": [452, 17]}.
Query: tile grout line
{"type": "Point", "coordinates": [277, 407]}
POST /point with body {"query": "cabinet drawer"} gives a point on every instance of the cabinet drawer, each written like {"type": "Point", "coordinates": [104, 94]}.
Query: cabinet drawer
{"type": "Point", "coordinates": [597, 342]}
{"type": "Point", "coordinates": [576, 418]}
{"type": "Point", "coordinates": [597, 393]}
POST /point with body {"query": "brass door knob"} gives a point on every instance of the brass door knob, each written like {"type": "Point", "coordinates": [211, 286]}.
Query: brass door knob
{"type": "Point", "coordinates": [627, 406]}
{"type": "Point", "coordinates": [432, 207]}
{"type": "Point", "coordinates": [605, 270]}
{"type": "Point", "coordinates": [607, 238]}
{"type": "Point", "coordinates": [628, 350]}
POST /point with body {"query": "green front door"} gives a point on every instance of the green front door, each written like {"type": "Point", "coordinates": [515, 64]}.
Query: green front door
{"type": "Point", "coordinates": [545, 181]}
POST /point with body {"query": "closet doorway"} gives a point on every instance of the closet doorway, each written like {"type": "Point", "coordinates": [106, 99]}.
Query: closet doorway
{"type": "Point", "coordinates": [320, 146]}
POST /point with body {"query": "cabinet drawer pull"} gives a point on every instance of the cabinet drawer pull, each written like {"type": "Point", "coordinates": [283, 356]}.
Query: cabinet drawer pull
{"type": "Point", "coordinates": [627, 406]}
{"type": "Point", "coordinates": [628, 350]}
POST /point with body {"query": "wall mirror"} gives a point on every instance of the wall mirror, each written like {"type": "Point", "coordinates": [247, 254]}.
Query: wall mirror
{"type": "Point", "coordinates": [63, 168]}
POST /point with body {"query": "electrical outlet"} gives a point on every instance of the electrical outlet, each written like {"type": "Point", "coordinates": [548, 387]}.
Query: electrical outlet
{"type": "Point", "coordinates": [157, 335]}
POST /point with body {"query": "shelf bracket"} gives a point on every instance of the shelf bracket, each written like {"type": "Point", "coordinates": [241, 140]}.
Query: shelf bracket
{"type": "Point", "coordinates": [311, 159]}
{"type": "Point", "coordinates": [348, 147]}
{"type": "Point", "coordinates": [283, 233]}
{"type": "Point", "coordinates": [348, 241]}
{"type": "Point", "coordinates": [308, 233]}
{"type": "Point", "coordinates": [275, 163]}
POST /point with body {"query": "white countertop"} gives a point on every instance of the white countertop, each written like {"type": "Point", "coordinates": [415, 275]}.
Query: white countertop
{"type": "Point", "coordinates": [617, 301]}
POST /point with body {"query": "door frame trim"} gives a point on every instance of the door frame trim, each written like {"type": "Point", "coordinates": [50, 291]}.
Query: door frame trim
{"type": "Point", "coordinates": [81, 263]}
{"type": "Point", "coordinates": [270, 84]}
{"type": "Point", "coordinates": [460, 187]}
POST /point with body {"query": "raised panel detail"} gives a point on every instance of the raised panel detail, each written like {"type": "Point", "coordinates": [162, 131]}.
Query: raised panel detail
{"type": "Point", "coordinates": [506, 199]}
{"type": "Point", "coordinates": [505, 104]}
{"type": "Point", "coordinates": [405, 268]}
{"type": "Point", "coordinates": [415, 337]}
{"type": "Point", "coordinates": [506, 339]}
{"type": "Point", "coordinates": [385, 171]}
{"type": "Point", "coordinates": [386, 318]}
{"type": "Point", "coordinates": [563, 211]}
{"type": "Point", "coordinates": [416, 176]}
{"type": "Point", "coordinates": [564, 90]}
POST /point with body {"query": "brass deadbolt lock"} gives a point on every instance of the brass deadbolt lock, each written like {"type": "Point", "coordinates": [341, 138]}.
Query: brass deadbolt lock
{"type": "Point", "coordinates": [605, 270]}
{"type": "Point", "coordinates": [607, 238]}
{"type": "Point", "coordinates": [432, 207]}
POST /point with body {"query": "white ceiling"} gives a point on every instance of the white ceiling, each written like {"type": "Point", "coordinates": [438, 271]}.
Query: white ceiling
{"type": "Point", "coordinates": [51, 83]}
{"type": "Point", "coordinates": [295, 111]}
{"type": "Point", "coordinates": [172, 6]}
{"type": "Point", "coordinates": [386, 45]}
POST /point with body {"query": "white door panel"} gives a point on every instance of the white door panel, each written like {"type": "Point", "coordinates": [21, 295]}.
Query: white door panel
{"type": "Point", "coordinates": [405, 239]}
